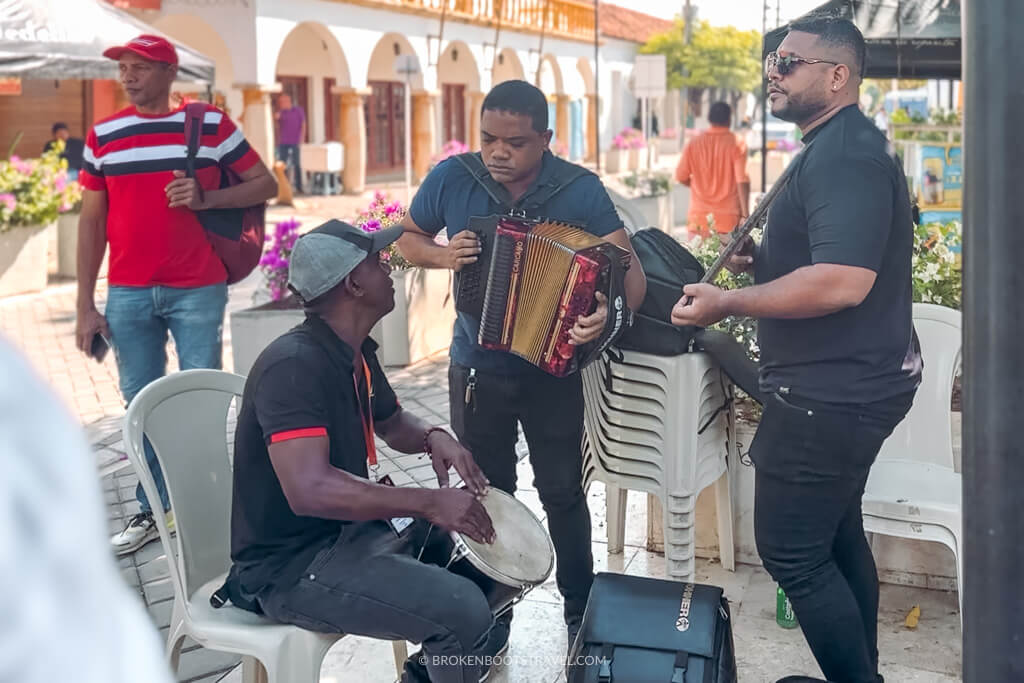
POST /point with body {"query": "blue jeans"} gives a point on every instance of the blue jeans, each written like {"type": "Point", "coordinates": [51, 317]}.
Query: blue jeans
{"type": "Point", "coordinates": [139, 319]}
{"type": "Point", "coordinates": [289, 154]}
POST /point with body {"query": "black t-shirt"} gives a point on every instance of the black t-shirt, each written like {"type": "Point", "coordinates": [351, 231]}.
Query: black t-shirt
{"type": "Point", "coordinates": [302, 384]}
{"type": "Point", "coordinates": [847, 203]}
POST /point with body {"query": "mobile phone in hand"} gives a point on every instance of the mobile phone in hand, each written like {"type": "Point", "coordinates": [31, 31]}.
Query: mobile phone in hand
{"type": "Point", "coordinates": [99, 347]}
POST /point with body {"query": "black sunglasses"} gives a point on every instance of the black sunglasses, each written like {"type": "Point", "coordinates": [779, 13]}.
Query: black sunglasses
{"type": "Point", "coordinates": [785, 65]}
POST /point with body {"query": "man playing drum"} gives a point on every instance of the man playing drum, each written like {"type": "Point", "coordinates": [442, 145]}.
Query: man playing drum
{"type": "Point", "coordinates": [314, 542]}
{"type": "Point", "coordinates": [492, 392]}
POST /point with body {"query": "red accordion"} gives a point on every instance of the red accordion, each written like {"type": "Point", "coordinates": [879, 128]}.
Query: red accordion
{"type": "Point", "coordinates": [541, 276]}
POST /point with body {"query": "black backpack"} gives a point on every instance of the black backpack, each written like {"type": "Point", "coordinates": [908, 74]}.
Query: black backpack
{"type": "Point", "coordinates": [652, 630]}
{"type": "Point", "coordinates": [668, 266]}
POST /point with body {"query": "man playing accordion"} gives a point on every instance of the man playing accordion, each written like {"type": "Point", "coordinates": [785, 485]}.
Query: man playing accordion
{"type": "Point", "coordinates": [493, 392]}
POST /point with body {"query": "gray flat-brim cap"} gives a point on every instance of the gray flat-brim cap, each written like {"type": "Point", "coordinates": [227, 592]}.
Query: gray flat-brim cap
{"type": "Point", "coordinates": [325, 255]}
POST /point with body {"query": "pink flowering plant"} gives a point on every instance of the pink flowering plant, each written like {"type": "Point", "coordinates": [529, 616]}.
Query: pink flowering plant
{"type": "Point", "coordinates": [277, 251]}
{"type": "Point", "coordinates": [34, 191]}
{"type": "Point", "coordinates": [629, 138]}
{"type": "Point", "coordinates": [383, 213]}
{"type": "Point", "coordinates": [451, 148]}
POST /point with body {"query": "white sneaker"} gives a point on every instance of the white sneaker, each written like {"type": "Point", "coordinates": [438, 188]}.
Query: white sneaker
{"type": "Point", "coordinates": [140, 530]}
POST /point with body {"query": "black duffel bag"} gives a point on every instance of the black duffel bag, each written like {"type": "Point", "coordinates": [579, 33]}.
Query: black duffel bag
{"type": "Point", "coordinates": [640, 630]}
{"type": "Point", "coordinates": [668, 266]}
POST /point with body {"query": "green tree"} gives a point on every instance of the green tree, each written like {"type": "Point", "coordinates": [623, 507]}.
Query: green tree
{"type": "Point", "coordinates": [717, 57]}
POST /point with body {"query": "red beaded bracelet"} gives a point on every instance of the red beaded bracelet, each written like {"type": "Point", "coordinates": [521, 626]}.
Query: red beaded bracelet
{"type": "Point", "coordinates": [426, 438]}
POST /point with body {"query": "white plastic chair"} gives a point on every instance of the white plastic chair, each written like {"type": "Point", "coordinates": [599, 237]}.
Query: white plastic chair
{"type": "Point", "coordinates": [914, 490]}
{"type": "Point", "coordinates": [185, 417]}
{"type": "Point", "coordinates": [642, 435]}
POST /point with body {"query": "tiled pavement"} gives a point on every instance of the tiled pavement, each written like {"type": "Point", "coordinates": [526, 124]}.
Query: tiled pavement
{"type": "Point", "coordinates": [42, 326]}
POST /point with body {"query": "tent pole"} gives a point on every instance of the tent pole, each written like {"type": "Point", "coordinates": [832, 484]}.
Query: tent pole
{"type": "Point", "coordinates": [993, 472]}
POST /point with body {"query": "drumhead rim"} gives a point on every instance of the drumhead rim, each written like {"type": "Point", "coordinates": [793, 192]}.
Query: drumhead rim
{"type": "Point", "coordinates": [486, 568]}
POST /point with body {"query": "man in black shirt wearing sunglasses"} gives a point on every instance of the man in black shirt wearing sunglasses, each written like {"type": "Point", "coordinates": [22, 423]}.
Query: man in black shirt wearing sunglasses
{"type": "Point", "coordinates": [839, 358]}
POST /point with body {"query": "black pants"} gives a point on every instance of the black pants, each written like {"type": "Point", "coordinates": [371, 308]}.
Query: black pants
{"type": "Point", "coordinates": [370, 583]}
{"type": "Point", "coordinates": [812, 463]}
{"type": "Point", "coordinates": [551, 412]}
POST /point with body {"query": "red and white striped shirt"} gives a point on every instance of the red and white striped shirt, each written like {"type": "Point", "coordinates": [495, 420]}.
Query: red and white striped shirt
{"type": "Point", "coordinates": [132, 157]}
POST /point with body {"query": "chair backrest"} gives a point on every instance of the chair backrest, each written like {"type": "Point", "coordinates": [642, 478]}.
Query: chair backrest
{"type": "Point", "coordinates": [184, 415]}
{"type": "Point", "coordinates": [925, 434]}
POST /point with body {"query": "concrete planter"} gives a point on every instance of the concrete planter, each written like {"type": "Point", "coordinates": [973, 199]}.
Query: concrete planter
{"type": "Point", "coordinates": [657, 210]}
{"type": "Point", "coordinates": [419, 326]}
{"type": "Point", "coordinates": [23, 259]}
{"type": "Point", "coordinates": [67, 247]}
{"type": "Point", "coordinates": [638, 158]}
{"type": "Point", "coordinates": [667, 146]}
{"type": "Point", "coordinates": [680, 203]}
{"type": "Point", "coordinates": [421, 323]}
{"type": "Point", "coordinates": [616, 161]}
{"type": "Point", "coordinates": [899, 561]}
{"type": "Point", "coordinates": [252, 329]}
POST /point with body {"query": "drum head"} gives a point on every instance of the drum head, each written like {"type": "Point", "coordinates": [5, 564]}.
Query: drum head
{"type": "Point", "coordinates": [521, 553]}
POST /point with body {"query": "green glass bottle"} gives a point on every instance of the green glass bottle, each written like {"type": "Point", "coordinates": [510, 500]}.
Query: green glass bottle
{"type": "Point", "coordinates": [784, 615]}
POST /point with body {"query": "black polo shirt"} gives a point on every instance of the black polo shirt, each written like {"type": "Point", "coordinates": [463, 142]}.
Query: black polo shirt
{"type": "Point", "coordinates": [303, 384]}
{"type": "Point", "coordinates": [847, 203]}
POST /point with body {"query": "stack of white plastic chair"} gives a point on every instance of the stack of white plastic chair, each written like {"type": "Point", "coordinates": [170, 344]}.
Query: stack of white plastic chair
{"type": "Point", "coordinates": [661, 425]}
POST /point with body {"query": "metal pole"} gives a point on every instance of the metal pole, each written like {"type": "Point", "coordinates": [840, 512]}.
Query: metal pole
{"type": "Point", "coordinates": [993, 471]}
{"type": "Point", "coordinates": [597, 86]}
{"type": "Point", "coordinates": [688, 15]}
{"type": "Point", "coordinates": [408, 138]}
{"type": "Point", "coordinates": [764, 108]}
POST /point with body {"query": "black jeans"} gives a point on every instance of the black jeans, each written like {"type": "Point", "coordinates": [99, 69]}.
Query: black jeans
{"type": "Point", "coordinates": [370, 583]}
{"type": "Point", "coordinates": [551, 412]}
{"type": "Point", "coordinates": [812, 463]}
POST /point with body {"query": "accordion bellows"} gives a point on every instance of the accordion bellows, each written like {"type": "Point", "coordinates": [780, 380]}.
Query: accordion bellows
{"type": "Point", "coordinates": [541, 278]}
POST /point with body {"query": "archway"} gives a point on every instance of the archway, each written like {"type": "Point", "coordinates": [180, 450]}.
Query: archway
{"type": "Point", "coordinates": [201, 36]}
{"type": "Point", "coordinates": [458, 79]}
{"type": "Point", "coordinates": [309, 64]}
{"type": "Point", "coordinates": [507, 67]}
{"type": "Point", "coordinates": [385, 108]}
{"type": "Point", "coordinates": [582, 122]}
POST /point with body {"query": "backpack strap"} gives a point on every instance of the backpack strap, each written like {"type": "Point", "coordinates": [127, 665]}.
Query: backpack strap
{"type": "Point", "coordinates": [565, 173]}
{"type": "Point", "coordinates": [194, 113]}
{"type": "Point", "coordinates": [473, 163]}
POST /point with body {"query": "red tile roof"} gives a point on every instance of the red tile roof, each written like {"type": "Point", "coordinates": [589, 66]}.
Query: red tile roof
{"type": "Point", "coordinates": [627, 24]}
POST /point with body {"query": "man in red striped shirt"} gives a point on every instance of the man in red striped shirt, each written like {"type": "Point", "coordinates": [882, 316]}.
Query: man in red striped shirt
{"type": "Point", "coordinates": [164, 274]}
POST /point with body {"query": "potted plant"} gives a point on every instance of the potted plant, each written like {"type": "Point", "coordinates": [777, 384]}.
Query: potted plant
{"type": "Point", "coordinates": [450, 149]}
{"type": "Point", "coordinates": [29, 203]}
{"type": "Point", "coordinates": [421, 322]}
{"type": "Point", "coordinates": [419, 325]}
{"type": "Point", "coordinates": [668, 142]}
{"type": "Point", "coordinates": [253, 328]}
{"type": "Point", "coordinates": [650, 193]}
{"type": "Point", "coordinates": [617, 160]}
{"type": "Point", "coordinates": [67, 231]}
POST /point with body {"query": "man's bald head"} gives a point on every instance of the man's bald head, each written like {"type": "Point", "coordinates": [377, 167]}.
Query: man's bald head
{"type": "Point", "coordinates": [840, 38]}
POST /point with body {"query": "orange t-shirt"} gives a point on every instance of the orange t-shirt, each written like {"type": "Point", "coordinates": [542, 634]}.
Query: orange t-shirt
{"type": "Point", "coordinates": [714, 164]}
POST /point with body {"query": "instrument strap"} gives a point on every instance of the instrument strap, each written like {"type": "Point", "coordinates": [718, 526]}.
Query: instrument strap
{"type": "Point", "coordinates": [366, 414]}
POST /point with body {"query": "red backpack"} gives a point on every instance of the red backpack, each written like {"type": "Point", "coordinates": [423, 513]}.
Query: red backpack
{"type": "Point", "coordinates": [236, 234]}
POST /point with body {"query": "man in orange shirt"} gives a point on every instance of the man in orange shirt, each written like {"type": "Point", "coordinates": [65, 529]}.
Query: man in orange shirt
{"type": "Point", "coordinates": [714, 167]}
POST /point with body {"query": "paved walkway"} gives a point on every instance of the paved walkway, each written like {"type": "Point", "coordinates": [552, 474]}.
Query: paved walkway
{"type": "Point", "coordinates": [42, 325]}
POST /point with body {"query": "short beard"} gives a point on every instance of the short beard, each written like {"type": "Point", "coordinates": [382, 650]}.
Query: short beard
{"type": "Point", "coordinates": [798, 109]}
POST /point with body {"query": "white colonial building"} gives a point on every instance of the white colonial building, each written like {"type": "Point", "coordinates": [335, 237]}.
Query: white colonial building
{"type": "Point", "coordinates": [337, 58]}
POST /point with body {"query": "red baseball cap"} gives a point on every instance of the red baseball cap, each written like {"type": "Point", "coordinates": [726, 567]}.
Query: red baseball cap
{"type": "Point", "coordinates": [153, 48]}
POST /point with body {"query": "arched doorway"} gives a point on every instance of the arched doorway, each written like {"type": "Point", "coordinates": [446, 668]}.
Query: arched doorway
{"type": "Point", "coordinates": [507, 67]}
{"type": "Point", "coordinates": [385, 105]}
{"type": "Point", "coordinates": [309, 64]}
{"type": "Point", "coordinates": [549, 80]}
{"type": "Point", "coordinates": [458, 79]}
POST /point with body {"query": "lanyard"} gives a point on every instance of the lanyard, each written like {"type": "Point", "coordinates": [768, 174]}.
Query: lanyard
{"type": "Point", "coordinates": [367, 415]}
